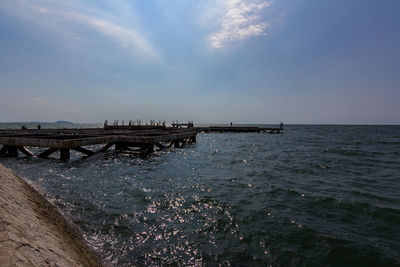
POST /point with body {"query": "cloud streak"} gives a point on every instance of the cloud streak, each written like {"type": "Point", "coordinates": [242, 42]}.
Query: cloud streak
{"type": "Point", "coordinates": [52, 105]}
{"type": "Point", "coordinates": [68, 19]}
{"type": "Point", "coordinates": [240, 21]}
{"type": "Point", "coordinates": [128, 39]}
{"type": "Point", "coordinates": [40, 102]}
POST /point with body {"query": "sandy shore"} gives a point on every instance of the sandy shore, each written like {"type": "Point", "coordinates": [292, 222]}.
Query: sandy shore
{"type": "Point", "coordinates": [32, 230]}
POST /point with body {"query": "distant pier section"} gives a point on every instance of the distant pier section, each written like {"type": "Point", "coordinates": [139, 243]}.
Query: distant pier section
{"type": "Point", "coordinates": [237, 129]}
{"type": "Point", "coordinates": [231, 128]}
{"type": "Point", "coordinates": [128, 138]}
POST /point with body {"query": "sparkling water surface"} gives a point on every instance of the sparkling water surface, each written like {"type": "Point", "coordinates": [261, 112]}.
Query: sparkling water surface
{"type": "Point", "coordinates": [312, 196]}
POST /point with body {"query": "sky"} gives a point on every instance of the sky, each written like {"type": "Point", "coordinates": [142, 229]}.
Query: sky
{"type": "Point", "coordinates": [207, 61]}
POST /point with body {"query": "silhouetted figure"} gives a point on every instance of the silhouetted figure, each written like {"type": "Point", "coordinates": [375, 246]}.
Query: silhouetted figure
{"type": "Point", "coordinates": [281, 125]}
{"type": "Point", "coordinates": [39, 127]}
{"type": "Point", "coordinates": [231, 124]}
{"type": "Point", "coordinates": [23, 127]}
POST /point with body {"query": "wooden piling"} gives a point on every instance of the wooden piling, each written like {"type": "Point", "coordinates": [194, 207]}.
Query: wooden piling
{"type": "Point", "coordinates": [3, 150]}
{"type": "Point", "coordinates": [183, 142]}
{"type": "Point", "coordinates": [149, 147]}
{"type": "Point", "coordinates": [176, 143]}
{"type": "Point", "coordinates": [105, 148]}
{"type": "Point", "coordinates": [64, 154]}
{"type": "Point", "coordinates": [84, 151]}
{"type": "Point", "coordinates": [26, 151]}
{"type": "Point", "coordinates": [12, 151]}
{"type": "Point", "coordinates": [47, 152]}
{"type": "Point", "coordinates": [160, 146]}
{"type": "Point", "coordinates": [120, 146]}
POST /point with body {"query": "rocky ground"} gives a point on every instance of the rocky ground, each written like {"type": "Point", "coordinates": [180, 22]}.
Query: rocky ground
{"type": "Point", "coordinates": [33, 232]}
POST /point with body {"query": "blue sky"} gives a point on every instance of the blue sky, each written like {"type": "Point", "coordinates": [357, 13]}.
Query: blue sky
{"type": "Point", "coordinates": [245, 61]}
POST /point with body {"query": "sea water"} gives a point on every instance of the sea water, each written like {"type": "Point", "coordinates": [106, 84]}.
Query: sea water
{"type": "Point", "coordinates": [316, 195]}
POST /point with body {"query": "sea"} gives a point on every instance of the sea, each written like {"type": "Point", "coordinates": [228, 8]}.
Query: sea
{"type": "Point", "coordinates": [315, 195]}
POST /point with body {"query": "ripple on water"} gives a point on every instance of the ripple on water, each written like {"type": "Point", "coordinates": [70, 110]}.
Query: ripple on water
{"type": "Point", "coordinates": [315, 195]}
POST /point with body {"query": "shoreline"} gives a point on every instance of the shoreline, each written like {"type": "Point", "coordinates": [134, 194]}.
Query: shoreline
{"type": "Point", "coordinates": [33, 232]}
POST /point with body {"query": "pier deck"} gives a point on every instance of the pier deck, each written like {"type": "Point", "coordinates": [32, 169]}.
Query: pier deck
{"type": "Point", "coordinates": [231, 128]}
{"type": "Point", "coordinates": [237, 129]}
{"type": "Point", "coordinates": [63, 140]}
{"type": "Point", "coordinates": [143, 138]}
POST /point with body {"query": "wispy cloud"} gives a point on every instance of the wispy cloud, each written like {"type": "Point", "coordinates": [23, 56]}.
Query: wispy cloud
{"type": "Point", "coordinates": [40, 102]}
{"type": "Point", "coordinates": [70, 112]}
{"type": "Point", "coordinates": [240, 21]}
{"type": "Point", "coordinates": [74, 21]}
{"type": "Point", "coordinates": [128, 39]}
{"type": "Point", "coordinates": [52, 105]}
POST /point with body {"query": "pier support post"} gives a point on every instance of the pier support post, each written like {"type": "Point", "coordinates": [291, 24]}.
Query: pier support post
{"type": "Point", "coordinates": [3, 150]}
{"type": "Point", "coordinates": [176, 143]}
{"type": "Point", "coordinates": [160, 146]}
{"type": "Point", "coordinates": [150, 148]}
{"type": "Point", "coordinates": [64, 154]}
{"type": "Point", "coordinates": [170, 143]}
{"type": "Point", "coordinates": [47, 153]}
{"type": "Point", "coordinates": [83, 150]}
{"type": "Point", "coordinates": [105, 147]}
{"type": "Point", "coordinates": [12, 151]}
{"type": "Point", "coordinates": [145, 147]}
{"type": "Point", "coordinates": [26, 151]}
{"type": "Point", "coordinates": [120, 146]}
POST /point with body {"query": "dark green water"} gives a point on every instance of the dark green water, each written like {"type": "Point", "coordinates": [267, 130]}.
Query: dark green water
{"type": "Point", "coordinates": [312, 196]}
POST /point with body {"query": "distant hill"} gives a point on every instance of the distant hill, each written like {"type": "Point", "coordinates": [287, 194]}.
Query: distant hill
{"type": "Point", "coordinates": [39, 122]}
{"type": "Point", "coordinates": [63, 122]}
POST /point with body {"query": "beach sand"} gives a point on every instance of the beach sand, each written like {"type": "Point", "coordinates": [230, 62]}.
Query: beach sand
{"type": "Point", "coordinates": [33, 232]}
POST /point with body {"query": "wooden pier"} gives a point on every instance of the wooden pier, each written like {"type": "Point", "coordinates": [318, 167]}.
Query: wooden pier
{"type": "Point", "coordinates": [133, 138]}
{"type": "Point", "coordinates": [231, 128]}
{"type": "Point", "coordinates": [236, 129]}
{"type": "Point", "coordinates": [129, 138]}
